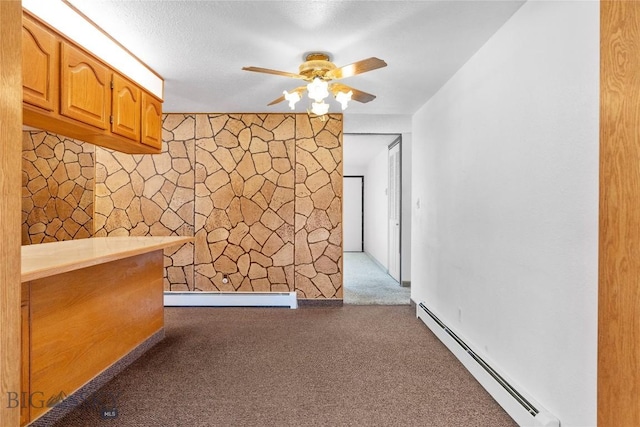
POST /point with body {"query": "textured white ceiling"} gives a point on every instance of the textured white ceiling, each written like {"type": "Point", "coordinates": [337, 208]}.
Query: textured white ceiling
{"type": "Point", "coordinates": [199, 47]}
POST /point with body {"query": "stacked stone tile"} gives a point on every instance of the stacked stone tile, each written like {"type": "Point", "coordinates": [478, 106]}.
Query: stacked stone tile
{"type": "Point", "coordinates": [268, 204]}
{"type": "Point", "coordinates": [245, 202]}
{"type": "Point", "coordinates": [140, 195]}
{"type": "Point", "coordinates": [261, 193]}
{"type": "Point", "coordinates": [57, 188]}
{"type": "Point", "coordinates": [318, 207]}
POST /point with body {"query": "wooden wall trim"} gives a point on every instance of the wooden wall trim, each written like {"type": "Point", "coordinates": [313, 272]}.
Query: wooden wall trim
{"type": "Point", "coordinates": [10, 187]}
{"type": "Point", "coordinates": [619, 257]}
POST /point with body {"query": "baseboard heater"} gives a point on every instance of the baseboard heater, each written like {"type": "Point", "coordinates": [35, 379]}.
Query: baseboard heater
{"type": "Point", "coordinates": [522, 409]}
{"type": "Point", "coordinates": [230, 299]}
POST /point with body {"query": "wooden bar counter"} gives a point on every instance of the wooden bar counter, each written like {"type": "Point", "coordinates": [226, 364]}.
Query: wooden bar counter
{"type": "Point", "coordinates": [87, 304]}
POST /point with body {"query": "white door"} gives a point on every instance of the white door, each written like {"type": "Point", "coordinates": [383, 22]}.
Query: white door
{"type": "Point", "coordinates": [352, 213]}
{"type": "Point", "coordinates": [394, 210]}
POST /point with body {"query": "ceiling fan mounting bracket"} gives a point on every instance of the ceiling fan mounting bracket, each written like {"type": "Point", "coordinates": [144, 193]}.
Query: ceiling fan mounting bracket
{"type": "Point", "coordinates": [316, 64]}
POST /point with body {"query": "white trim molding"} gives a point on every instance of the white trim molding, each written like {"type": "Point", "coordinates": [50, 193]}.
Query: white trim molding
{"type": "Point", "coordinates": [231, 299]}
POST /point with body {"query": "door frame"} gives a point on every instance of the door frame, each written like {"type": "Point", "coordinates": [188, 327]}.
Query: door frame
{"type": "Point", "coordinates": [398, 142]}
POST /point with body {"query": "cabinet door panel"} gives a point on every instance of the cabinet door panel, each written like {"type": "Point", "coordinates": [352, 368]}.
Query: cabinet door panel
{"type": "Point", "coordinates": [126, 108]}
{"type": "Point", "coordinates": [25, 348]}
{"type": "Point", "coordinates": [39, 65]}
{"type": "Point", "coordinates": [84, 88]}
{"type": "Point", "coordinates": [151, 121]}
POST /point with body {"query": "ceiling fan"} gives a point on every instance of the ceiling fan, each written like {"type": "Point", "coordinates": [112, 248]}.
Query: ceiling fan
{"type": "Point", "coordinates": [320, 73]}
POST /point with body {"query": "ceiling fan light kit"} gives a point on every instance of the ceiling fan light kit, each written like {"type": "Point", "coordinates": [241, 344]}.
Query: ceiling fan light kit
{"type": "Point", "coordinates": [318, 71]}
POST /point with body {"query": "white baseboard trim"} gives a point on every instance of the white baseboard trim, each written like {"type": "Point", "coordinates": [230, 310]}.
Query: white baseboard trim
{"type": "Point", "coordinates": [231, 299]}
{"type": "Point", "coordinates": [524, 417]}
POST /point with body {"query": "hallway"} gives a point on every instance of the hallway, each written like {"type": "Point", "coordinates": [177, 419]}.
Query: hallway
{"type": "Point", "coordinates": [365, 283]}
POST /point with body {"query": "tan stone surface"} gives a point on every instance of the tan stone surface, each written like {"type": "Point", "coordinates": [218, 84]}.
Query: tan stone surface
{"type": "Point", "coordinates": [225, 159]}
{"type": "Point", "coordinates": [302, 253]}
{"type": "Point", "coordinates": [228, 179]}
{"type": "Point", "coordinates": [217, 180]}
{"type": "Point", "coordinates": [286, 233]}
{"type": "Point", "coordinates": [305, 159]}
{"type": "Point", "coordinates": [286, 212]}
{"type": "Point", "coordinates": [284, 256]}
{"type": "Point", "coordinates": [243, 264]}
{"type": "Point", "coordinates": [261, 259]}
{"type": "Point", "coordinates": [280, 197]}
{"type": "Point", "coordinates": [324, 285]}
{"type": "Point", "coordinates": [271, 220]}
{"type": "Point", "coordinates": [267, 190]}
{"type": "Point", "coordinates": [317, 249]}
{"type": "Point", "coordinates": [238, 232]}
{"type": "Point", "coordinates": [223, 196]}
{"type": "Point", "coordinates": [305, 288]}
{"type": "Point", "coordinates": [318, 235]}
{"type": "Point", "coordinates": [233, 252]}
{"type": "Point", "coordinates": [318, 219]}
{"type": "Point", "coordinates": [246, 167]}
{"type": "Point", "coordinates": [251, 212]}
{"type": "Point", "coordinates": [57, 198]}
{"type": "Point", "coordinates": [323, 197]}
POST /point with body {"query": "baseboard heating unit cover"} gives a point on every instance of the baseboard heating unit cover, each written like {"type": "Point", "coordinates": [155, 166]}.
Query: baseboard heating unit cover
{"type": "Point", "coordinates": [230, 299]}
{"type": "Point", "coordinates": [522, 408]}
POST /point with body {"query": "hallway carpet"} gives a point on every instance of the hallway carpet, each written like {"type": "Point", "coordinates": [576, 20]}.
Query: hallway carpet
{"type": "Point", "coordinates": [347, 366]}
{"type": "Point", "coordinates": [366, 283]}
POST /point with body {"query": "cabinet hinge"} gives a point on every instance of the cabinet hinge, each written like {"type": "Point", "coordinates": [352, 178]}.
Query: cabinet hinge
{"type": "Point", "coordinates": [111, 119]}
{"type": "Point", "coordinates": [111, 84]}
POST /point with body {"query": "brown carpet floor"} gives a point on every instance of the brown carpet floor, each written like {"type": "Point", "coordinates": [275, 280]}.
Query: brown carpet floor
{"type": "Point", "coordinates": [347, 366]}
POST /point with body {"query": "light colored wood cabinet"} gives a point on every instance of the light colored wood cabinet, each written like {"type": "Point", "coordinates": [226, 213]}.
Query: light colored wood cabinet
{"type": "Point", "coordinates": [68, 91]}
{"type": "Point", "coordinates": [25, 390]}
{"type": "Point", "coordinates": [84, 87]}
{"type": "Point", "coordinates": [126, 108]}
{"type": "Point", "coordinates": [151, 121]}
{"type": "Point", "coordinates": [39, 65]}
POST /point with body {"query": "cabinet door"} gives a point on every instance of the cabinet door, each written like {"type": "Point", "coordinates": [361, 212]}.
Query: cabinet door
{"type": "Point", "coordinates": [84, 88]}
{"type": "Point", "coordinates": [25, 368]}
{"type": "Point", "coordinates": [39, 65]}
{"type": "Point", "coordinates": [126, 108]}
{"type": "Point", "coordinates": [151, 121]}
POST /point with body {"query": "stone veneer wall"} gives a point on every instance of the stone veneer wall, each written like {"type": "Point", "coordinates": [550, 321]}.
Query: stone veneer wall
{"type": "Point", "coordinates": [57, 188]}
{"type": "Point", "coordinates": [261, 193]}
{"type": "Point", "coordinates": [152, 195]}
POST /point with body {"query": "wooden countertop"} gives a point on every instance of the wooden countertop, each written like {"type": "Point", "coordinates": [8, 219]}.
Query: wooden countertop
{"type": "Point", "coordinates": [47, 259]}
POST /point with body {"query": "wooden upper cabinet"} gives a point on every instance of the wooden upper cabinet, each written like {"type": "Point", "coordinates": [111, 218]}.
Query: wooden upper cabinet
{"type": "Point", "coordinates": [68, 91]}
{"type": "Point", "coordinates": [84, 88]}
{"type": "Point", "coordinates": [151, 121]}
{"type": "Point", "coordinates": [39, 65]}
{"type": "Point", "coordinates": [126, 108]}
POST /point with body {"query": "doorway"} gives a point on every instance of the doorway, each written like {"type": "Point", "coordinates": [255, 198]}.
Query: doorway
{"type": "Point", "coordinates": [371, 220]}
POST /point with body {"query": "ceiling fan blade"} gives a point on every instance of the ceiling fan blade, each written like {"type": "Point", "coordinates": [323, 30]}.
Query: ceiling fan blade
{"type": "Point", "coordinates": [359, 67]}
{"type": "Point", "coordinates": [275, 72]}
{"type": "Point", "coordinates": [277, 100]}
{"type": "Point", "coordinates": [357, 95]}
{"type": "Point", "coordinates": [280, 99]}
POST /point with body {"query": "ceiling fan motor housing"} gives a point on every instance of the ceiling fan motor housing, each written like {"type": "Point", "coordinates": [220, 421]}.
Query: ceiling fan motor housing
{"type": "Point", "coordinates": [316, 65]}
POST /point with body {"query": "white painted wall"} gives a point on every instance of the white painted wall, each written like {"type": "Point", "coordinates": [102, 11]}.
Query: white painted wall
{"type": "Point", "coordinates": [507, 226]}
{"type": "Point", "coordinates": [376, 222]}
{"type": "Point", "coordinates": [405, 267]}
{"type": "Point", "coordinates": [350, 169]}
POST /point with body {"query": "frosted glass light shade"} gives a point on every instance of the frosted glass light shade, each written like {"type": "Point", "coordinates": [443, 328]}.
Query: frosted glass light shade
{"type": "Point", "coordinates": [319, 108]}
{"type": "Point", "coordinates": [318, 89]}
{"type": "Point", "coordinates": [343, 98]}
{"type": "Point", "coordinates": [292, 97]}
